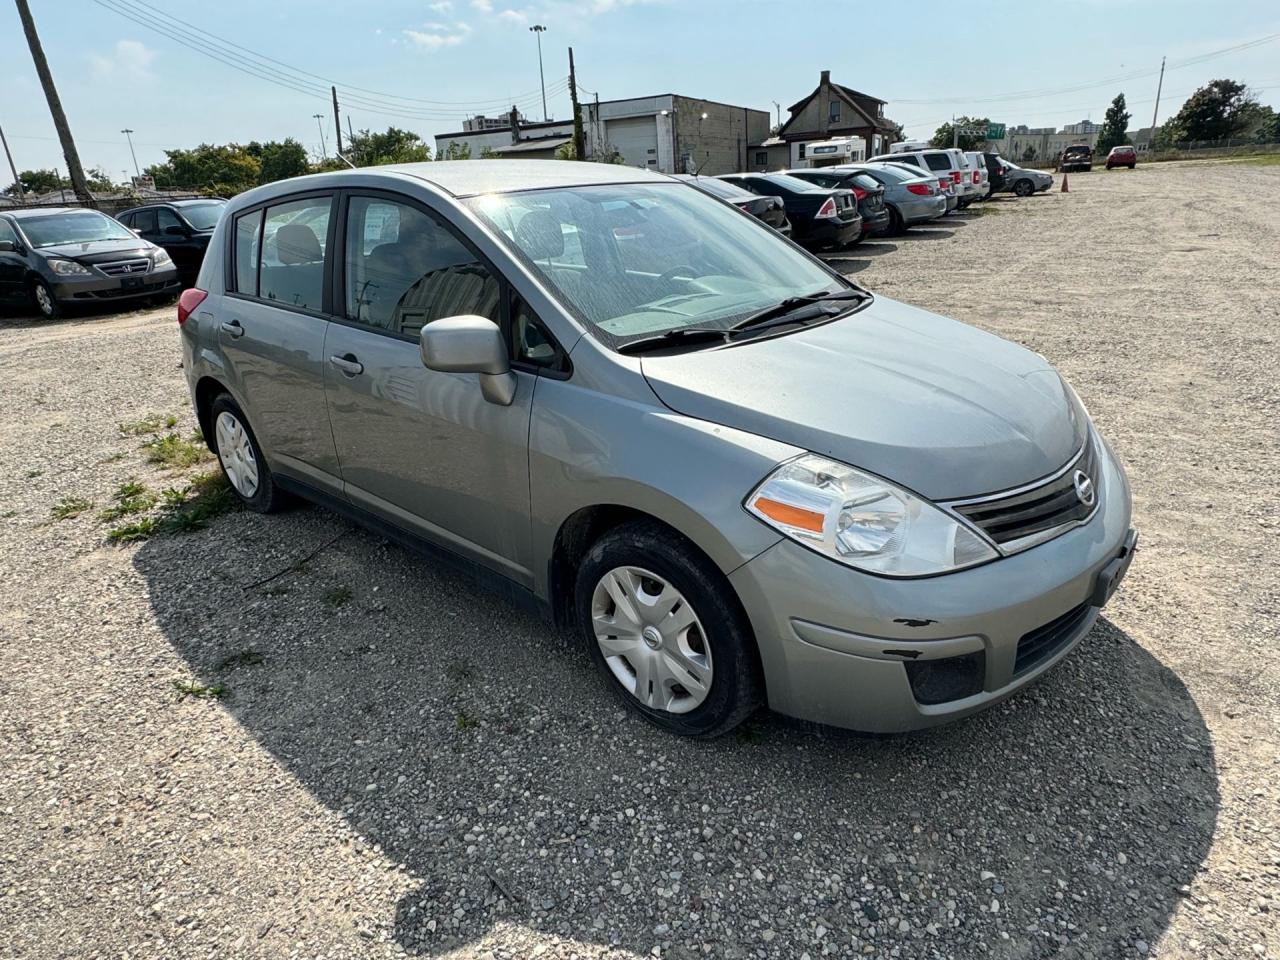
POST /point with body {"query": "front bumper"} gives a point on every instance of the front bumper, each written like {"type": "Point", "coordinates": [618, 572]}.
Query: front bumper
{"type": "Point", "coordinates": [836, 644]}
{"type": "Point", "coordinates": [99, 288]}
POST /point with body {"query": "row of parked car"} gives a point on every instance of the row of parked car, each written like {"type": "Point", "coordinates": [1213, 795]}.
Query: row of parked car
{"type": "Point", "coordinates": [838, 206]}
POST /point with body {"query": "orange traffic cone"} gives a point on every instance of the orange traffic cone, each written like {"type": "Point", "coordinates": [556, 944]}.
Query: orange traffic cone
{"type": "Point", "coordinates": [1064, 184]}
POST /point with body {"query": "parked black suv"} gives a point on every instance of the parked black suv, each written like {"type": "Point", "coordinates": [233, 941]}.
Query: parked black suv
{"type": "Point", "coordinates": [182, 227]}
{"type": "Point", "coordinates": [997, 172]}
{"type": "Point", "coordinates": [53, 256]}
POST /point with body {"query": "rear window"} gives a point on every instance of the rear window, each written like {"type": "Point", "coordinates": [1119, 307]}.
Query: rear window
{"type": "Point", "coordinates": [937, 161]}
{"type": "Point", "coordinates": [794, 184]}
{"type": "Point", "coordinates": [719, 188]}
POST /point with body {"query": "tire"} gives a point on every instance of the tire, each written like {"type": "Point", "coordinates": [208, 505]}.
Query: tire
{"type": "Point", "coordinates": [693, 632]}
{"type": "Point", "coordinates": [1133, 166]}
{"type": "Point", "coordinates": [243, 459]}
{"type": "Point", "coordinates": [897, 226]}
{"type": "Point", "coordinates": [43, 300]}
{"type": "Point", "coordinates": [1024, 187]}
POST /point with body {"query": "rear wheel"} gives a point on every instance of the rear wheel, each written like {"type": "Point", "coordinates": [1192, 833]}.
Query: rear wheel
{"type": "Point", "coordinates": [1133, 166]}
{"type": "Point", "coordinates": [896, 224]}
{"type": "Point", "coordinates": [43, 300]}
{"type": "Point", "coordinates": [1024, 187]}
{"type": "Point", "coordinates": [241, 458]}
{"type": "Point", "coordinates": [666, 632]}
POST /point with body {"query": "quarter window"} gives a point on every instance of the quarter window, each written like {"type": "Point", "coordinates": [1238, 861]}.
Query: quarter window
{"type": "Point", "coordinates": [144, 221]}
{"type": "Point", "coordinates": [404, 269]}
{"type": "Point", "coordinates": [248, 233]}
{"type": "Point", "coordinates": [293, 239]}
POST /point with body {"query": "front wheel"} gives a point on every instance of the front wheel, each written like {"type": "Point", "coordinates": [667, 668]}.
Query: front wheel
{"type": "Point", "coordinates": [44, 301]}
{"type": "Point", "coordinates": [1024, 188]}
{"type": "Point", "coordinates": [666, 632]}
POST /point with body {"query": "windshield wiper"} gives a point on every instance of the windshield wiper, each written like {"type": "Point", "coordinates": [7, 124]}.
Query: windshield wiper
{"type": "Point", "coordinates": [795, 303]}
{"type": "Point", "coordinates": [680, 335]}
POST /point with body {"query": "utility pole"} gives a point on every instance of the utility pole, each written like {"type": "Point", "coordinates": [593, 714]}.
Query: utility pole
{"type": "Point", "coordinates": [17, 181]}
{"type": "Point", "coordinates": [538, 30]}
{"type": "Point", "coordinates": [324, 152]}
{"type": "Point", "coordinates": [128, 133]}
{"type": "Point", "coordinates": [74, 170]}
{"type": "Point", "coordinates": [337, 123]}
{"type": "Point", "coordinates": [1156, 112]}
{"type": "Point", "coordinates": [778, 107]}
{"type": "Point", "coordinates": [579, 147]}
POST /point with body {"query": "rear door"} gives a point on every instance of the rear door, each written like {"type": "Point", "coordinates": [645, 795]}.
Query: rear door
{"type": "Point", "coordinates": [272, 325]}
{"type": "Point", "coordinates": [423, 449]}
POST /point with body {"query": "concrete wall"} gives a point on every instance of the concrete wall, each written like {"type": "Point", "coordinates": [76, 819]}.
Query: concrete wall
{"type": "Point", "coordinates": [721, 142]}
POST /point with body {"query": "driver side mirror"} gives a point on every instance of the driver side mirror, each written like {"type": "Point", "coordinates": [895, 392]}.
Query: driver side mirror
{"type": "Point", "coordinates": [176, 231]}
{"type": "Point", "coordinates": [470, 344]}
{"type": "Point", "coordinates": [8, 246]}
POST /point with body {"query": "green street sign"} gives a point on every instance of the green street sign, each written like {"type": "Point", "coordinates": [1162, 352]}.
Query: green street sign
{"type": "Point", "coordinates": [995, 131]}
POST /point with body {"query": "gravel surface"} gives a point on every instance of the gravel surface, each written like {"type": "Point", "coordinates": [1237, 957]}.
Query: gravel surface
{"type": "Point", "coordinates": [399, 764]}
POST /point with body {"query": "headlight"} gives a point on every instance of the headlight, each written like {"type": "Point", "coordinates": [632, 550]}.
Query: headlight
{"type": "Point", "coordinates": [161, 257]}
{"type": "Point", "coordinates": [67, 268]}
{"type": "Point", "coordinates": [863, 521]}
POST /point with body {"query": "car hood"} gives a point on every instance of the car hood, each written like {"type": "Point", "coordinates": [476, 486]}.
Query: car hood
{"type": "Point", "coordinates": [99, 250]}
{"type": "Point", "coordinates": [934, 404]}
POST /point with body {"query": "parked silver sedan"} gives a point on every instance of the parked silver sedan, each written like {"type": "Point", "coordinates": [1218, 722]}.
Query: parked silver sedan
{"type": "Point", "coordinates": [1025, 182]}
{"type": "Point", "coordinates": [738, 477]}
{"type": "Point", "coordinates": [911, 198]}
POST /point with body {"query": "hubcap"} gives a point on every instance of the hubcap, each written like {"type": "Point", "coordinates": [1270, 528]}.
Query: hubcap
{"type": "Point", "coordinates": [43, 300]}
{"type": "Point", "coordinates": [651, 639]}
{"type": "Point", "coordinates": [236, 453]}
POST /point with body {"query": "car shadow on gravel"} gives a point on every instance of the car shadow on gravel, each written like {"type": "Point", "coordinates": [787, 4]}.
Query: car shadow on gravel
{"type": "Point", "coordinates": [927, 233]}
{"type": "Point", "coordinates": [476, 747]}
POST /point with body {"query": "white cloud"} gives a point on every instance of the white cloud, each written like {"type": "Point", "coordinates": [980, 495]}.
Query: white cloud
{"type": "Point", "coordinates": [441, 6]}
{"type": "Point", "coordinates": [514, 16]}
{"type": "Point", "coordinates": [436, 36]}
{"type": "Point", "coordinates": [129, 59]}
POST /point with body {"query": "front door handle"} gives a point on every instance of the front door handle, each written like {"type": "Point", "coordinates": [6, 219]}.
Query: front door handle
{"type": "Point", "coordinates": [348, 364]}
{"type": "Point", "coordinates": [232, 328]}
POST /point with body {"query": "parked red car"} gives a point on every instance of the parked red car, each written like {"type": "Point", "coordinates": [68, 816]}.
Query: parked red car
{"type": "Point", "coordinates": [1122, 156]}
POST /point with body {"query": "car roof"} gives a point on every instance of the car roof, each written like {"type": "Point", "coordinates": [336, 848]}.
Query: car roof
{"type": "Point", "coordinates": [469, 178]}
{"type": "Point", "coordinates": [25, 212]}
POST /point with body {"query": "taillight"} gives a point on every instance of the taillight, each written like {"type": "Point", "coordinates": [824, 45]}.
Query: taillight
{"type": "Point", "coordinates": [919, 189]}
{"type": "Point", "coordinates": [975, 177]}
{"type": "Point", "coordinates": [944, 183]}
{"type": "Point", "coordinates": [187, 303]}
{"type": "Point", "coordinates": [859, 193]}
{"type": "Point", "coordinates": [955, 176]}
{"type": "Point", "coordinates": [828, 208]}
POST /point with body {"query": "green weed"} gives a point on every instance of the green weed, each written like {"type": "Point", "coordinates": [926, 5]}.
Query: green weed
{"type": "Point", "coordinates": [69, 507]}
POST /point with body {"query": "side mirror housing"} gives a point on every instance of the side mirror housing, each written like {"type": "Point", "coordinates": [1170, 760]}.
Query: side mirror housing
{"type": "Point", "coordinates": [8, 246]}
{"type": "Point", "coordinates": [470, 344]}
{"type": "Point", "coordinates": [176, 231]}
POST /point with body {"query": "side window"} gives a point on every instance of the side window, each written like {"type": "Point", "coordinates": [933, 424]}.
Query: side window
{"type": "Point", "coordinates": [531, 343]}
{"type": "Point", "coordinates": [125, 218]}
{"type": "Point", "coordinates": [938, 161]}
{"type": "Point", "coordinates": [248, 233]}
{"type": "Point", "coordinates": [166, 218]}
{"type": "Point", "coordinates": [7, 232]}
{"type": "Point", "coordinates": [293, 239]}
{"type": "Point", "coordinates": [144, 221]}
{"type": "Point", "coordinates": [404, 269]}
{"type": "Point", "coordinates": [835, 111]}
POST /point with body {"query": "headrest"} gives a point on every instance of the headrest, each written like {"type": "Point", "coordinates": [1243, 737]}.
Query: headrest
{"type": "Point", "coordinates": [539, 235]}
{"type": "Point", "coordinates": [297, 243]}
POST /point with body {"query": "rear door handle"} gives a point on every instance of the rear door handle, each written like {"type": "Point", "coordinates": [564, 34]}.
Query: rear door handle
{"type": "Point", "coordinates": [232, 328]}
{"type": "Point", "coordinates": [348, 364]}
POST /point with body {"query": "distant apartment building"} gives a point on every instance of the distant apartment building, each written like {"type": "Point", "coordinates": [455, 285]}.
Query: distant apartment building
{"type": "Point", "coordinates": [1083, 127]}
{"type": "Point", "coordinates": [481, 122]}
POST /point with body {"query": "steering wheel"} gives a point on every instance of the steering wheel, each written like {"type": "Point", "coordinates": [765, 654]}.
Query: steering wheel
{"type": "Point", "coordinates": [672, 272]}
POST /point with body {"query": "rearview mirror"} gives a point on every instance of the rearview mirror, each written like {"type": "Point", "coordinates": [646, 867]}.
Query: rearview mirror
{"type": "Point", "coordinates": [470, 344]}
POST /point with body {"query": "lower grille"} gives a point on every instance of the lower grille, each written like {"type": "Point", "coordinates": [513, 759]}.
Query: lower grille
{"type": "Point", "coordinates": [947, 679]}
{"type": "Point", "coordinates": [1056, 502]}
{"type": "Point", "coordinates": [1043, 642]}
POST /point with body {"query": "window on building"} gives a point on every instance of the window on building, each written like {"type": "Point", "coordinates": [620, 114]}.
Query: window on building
{"type": "Point", "coordinates": [835, 111]}
{"type": "Point", "coordinates": [762, 158]}
{"type": "Point", "coordinates": [404, 269]}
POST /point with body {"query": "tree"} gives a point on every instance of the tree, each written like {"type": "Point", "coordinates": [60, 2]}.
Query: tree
{"type": "Point", "coordinates": [1219, 109]}
{"type": "Point", "coordinates": [369, 149]}
{"type": "Point", "coordinates": [1114, 125]}
{"type": "Point", "coordinates": [965, 141]}
{"type": "Point", "coordinates": [280, 159]}
{"type": "Point", "coordinates": [900, 133]}
{"type": "Point", "coordinates": [1268, 128]}
{"type": "Point", "coordinates": [99, 180]}
{"type": "Point", "coordinates": [607, 153]}
{"type": "Point", "coordinates": [1029, 154]}
{"type": "Point", "coordinates": [222, 170]}
{"type": "Point", "coordinates": [38, 182]}
{"type": "Point", "coordinates": [455, 151]}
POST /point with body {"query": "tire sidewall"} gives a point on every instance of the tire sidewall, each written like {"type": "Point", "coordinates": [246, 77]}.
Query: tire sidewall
{"type": "Point", "coordinates": [264, 499]}
{"type": "Point", "coordinates": [54, 311]}
{"type": "Point", "coordinates": [733, 695]}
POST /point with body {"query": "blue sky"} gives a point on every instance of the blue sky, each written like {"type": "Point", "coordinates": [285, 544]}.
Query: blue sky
{"type": "Point", "coordinates": [460, 55]}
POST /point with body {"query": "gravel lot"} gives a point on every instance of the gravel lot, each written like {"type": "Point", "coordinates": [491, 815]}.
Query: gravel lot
{"type": "Point", "coordinates": [401, 764]}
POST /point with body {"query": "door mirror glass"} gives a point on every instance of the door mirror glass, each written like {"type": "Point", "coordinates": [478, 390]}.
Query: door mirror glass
{"type": "Point", "coordinates": [470, 344]}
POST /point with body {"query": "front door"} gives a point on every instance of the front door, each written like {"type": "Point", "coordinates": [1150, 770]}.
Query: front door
{"type": "Point", "coordinates": [272, 332]}
{"type": "Point", "coordinates": [13, 265]}
{"type": "Point", "coordinates": [176, 238]}
{"type": "Point", "coordinates": [421, 448]}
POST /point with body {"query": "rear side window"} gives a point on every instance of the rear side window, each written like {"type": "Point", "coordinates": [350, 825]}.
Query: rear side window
{"type": "Point", "coordinates": [125, 218]}
{"type": "Point", "coordinates": [937, 161]}
{"type": "Point", "coordinates": [248, 233]}
{"type": "Point", "coordinates": [292, 262]}
{"type": "Point", "coordinates": [145, 221]}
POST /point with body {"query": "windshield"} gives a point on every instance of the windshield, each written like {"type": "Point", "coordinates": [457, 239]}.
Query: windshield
{"type": "Point", "coordinates": [80, 226]}
{"type": "Point", "coordinates": [639, 259]}
{"type": "Point", "coordinates": [202, 216]}
{"type": "Point", "coordinates": [896, 173]}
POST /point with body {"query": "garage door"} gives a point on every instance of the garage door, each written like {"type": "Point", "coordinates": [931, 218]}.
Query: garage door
{"type": "Point", "coordinates": [636, 138]}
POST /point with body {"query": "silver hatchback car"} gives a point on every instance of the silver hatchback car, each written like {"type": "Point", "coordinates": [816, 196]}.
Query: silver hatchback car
{"type": "Point", "coordinates": [740, 478]}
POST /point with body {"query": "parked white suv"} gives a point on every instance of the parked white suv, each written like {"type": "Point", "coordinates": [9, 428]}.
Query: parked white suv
{"type": "Point", "coordinates": [978, 174]}
{"type": "Point", "coordinates": [945, 164]}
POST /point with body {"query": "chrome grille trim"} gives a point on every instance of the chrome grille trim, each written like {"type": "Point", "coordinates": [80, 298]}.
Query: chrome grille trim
{"type": "Point", "coordinates": [124, 268]}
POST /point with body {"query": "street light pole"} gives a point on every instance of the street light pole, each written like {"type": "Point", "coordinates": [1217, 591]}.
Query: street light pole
{"type": "Point", "coordinates": [324, 153]}
{"type": "Point", "coordinates": [128, 134]}
{"type": "Point", "coordinates": [538, 29]}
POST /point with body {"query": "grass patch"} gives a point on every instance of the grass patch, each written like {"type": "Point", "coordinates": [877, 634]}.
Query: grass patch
{"type": "Point", "coordinates": [132, 532]}
{"type": "Point", "coordinates": [69, 507]}
{"type": "Point", "coordinates": [172, 450]}
{"type": "Point", "coordinates": [194, 688]}
{"type": "Point", "coordinates": [467, 722]}
{"type": "Point", "coordinates": [118, 455]}
{"type": "Point", "coordinates": [242, 658]}
{"type": "Point", "coordinates": [1266, 160]}
{"type": "Point", "coordinates": [338, 596]}
{"type": "Point", "coordinates": [130, 497]}
{"type": "Point", "coordinates": [151, 423]}
{"type": "Point", "coordinates": [32, 474]}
